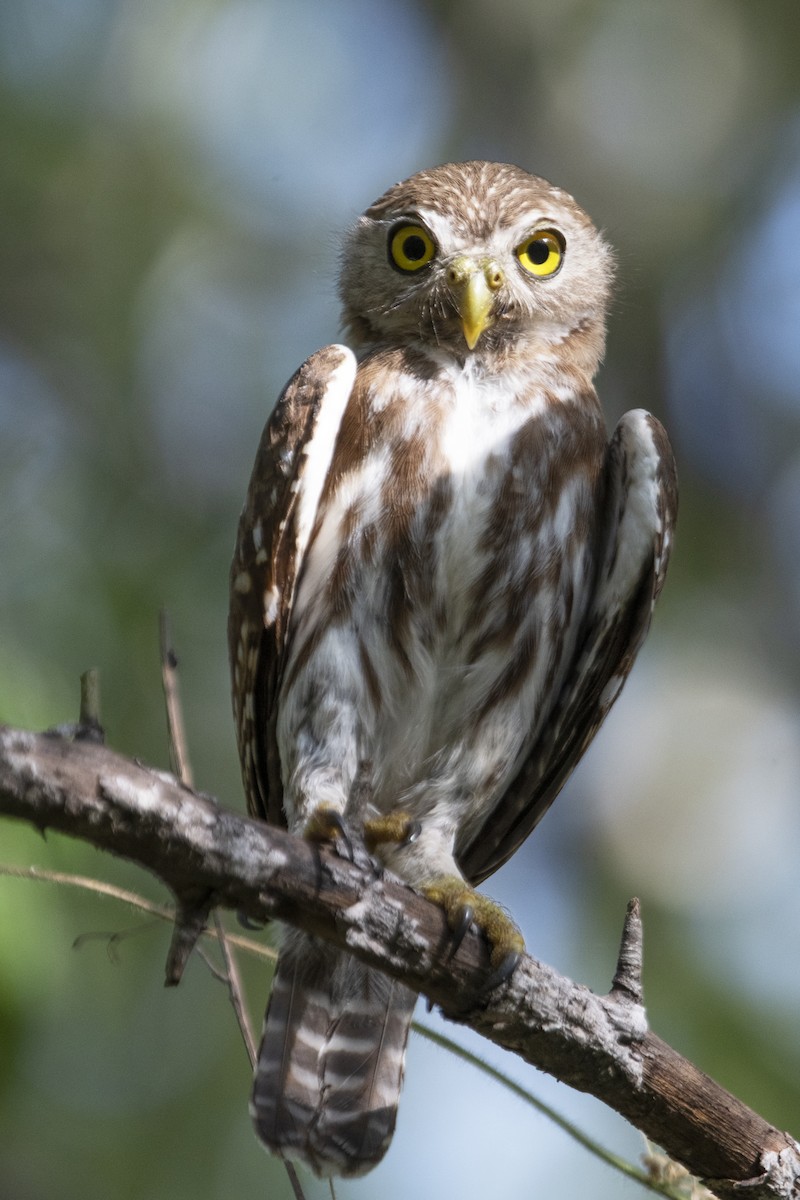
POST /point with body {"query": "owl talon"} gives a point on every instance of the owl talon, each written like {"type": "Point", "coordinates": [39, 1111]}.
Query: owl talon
{"type": "Point", "coordinates": [502, 973]}
{"type": "Point", "coordinates": [464, 907]}
{"type": "Point", "coordinates": [397, 828]}
{"type": "Point", "coordinates": [326, 824]}
{"type": "Point", "coordinates": [460, 928]}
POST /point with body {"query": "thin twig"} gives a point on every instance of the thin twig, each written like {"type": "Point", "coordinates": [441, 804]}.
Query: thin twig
{"type": "Point", "coordinates": [40, 875]}
{"type": "Point", "coordinates": [294, 1181]}
{"type": "Point", "coordinates": [112, 938]}
{"type": "Point", "coordinates": [218, 973]}
{"type": "Point", "coordinates": [132, 899]}
{"type": "Point", "coordinates": [90, 697]}
{"type": "Point", "coordinates": [235, 989]}
{"type": "Point", "coordinates": [179, 757]}
{"type": "Point", "coordinates": [178, 753]}
{"type": "Point", "coordinates": [89, 724]}
{"type": "Point", "coordinates": [645, 1178]}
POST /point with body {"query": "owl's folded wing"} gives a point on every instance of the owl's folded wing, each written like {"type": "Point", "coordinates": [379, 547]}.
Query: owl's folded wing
{"type": "Point", "coordinates": [274, 529]}
{"type": "Point", "coordinates": [639, 512]}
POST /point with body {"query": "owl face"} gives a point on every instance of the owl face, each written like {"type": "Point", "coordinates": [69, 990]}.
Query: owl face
{"type": "Point", "coordinates": [476, 259]}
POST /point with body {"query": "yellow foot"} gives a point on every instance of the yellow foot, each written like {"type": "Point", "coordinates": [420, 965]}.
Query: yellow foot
{"type": "Point", "coordinates": [397, 828]}
{"type": "Point", "coordinates": [326, 824]}
{"type": "Point", "coordinates": [464, 907]}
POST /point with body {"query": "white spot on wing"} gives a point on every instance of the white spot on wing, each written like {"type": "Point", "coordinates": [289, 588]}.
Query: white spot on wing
{"type": "Point", "coordinates": [272, 600]}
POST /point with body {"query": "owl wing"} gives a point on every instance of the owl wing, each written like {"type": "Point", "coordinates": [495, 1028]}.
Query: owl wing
{"type": "Point", "coordinates": [291, 466]}
{"type": "Point", "coordinates": [639, 509]}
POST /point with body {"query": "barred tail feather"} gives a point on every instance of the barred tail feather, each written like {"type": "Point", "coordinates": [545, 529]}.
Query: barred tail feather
{"type": "Point", "coordinates": [331, 1061]}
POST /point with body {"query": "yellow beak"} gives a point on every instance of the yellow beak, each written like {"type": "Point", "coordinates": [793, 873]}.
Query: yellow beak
{"type": "Point", "coordinates": [474, 285]}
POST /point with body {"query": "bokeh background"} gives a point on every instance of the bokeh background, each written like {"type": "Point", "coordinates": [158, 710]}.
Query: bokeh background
{"type": "Point", "coordinates": [173, 180]}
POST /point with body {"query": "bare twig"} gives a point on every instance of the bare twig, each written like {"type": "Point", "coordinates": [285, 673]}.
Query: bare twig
{"type": "Point", "coordinates": [235, 990]}
{"type": "Point", "coordinates": [89, 725]}
{"type": "Point", "coordinates": [178, 753]}
{"type": "Point", "coordinates": [294, 1181]}
{"type": "Point", "coordinates": [627, 982]}
{"type": "Point", "coordinates": [644, 1177]}
{"type": "Point", "coordinates": [90, 698]}
{"type": "Point", "coordinates": [163, 911]}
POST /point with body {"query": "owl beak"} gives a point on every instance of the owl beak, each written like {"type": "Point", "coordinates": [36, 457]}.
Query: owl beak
{"type": "Point", "coordinates": [474, 286]}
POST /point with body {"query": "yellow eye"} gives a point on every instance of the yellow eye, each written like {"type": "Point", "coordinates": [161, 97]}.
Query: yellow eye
{"type": "Point", "coordinates": [541, 254]}
{"type": "Point", "coordinates": [411, 247]}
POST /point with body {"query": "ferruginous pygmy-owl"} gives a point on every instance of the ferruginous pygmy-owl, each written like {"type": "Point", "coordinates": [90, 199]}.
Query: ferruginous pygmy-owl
{"type": "Point", "coordinates": [443, 573]}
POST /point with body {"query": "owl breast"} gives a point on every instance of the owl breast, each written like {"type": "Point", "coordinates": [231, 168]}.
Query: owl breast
{"type": "Point", "coordinates": [442, 590]}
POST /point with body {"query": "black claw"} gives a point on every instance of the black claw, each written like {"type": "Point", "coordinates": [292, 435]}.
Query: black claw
{"type": "Point", "coordinates": [413, 832]}
{"type": "Point", "coordinates": [340, 825]}
{"type": "Point", "coordinates": [246, 923]}
{"type": "Point", "coordinates": [466, 915]}
{"type": "Point", "coordinates": [504, 972]}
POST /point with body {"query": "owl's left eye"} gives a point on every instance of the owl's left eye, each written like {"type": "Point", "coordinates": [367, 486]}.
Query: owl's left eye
{"type": "Point", "coordinates": [410, 247]}
{"type": "Point", "coordinates": [542, 253]}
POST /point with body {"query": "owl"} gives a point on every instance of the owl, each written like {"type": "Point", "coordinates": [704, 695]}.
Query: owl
{"type": "Point", "coordinates": [443, 573]}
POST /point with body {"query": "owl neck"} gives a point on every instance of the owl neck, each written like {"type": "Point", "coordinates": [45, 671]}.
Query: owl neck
{"type": "Point", "coordinates": [543, 353]}
{"type": "Point", "coordinates": [546, 364]}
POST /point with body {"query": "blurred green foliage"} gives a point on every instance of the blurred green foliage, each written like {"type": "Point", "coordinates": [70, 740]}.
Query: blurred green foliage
{"type": "Point", "coordinates": [172, 181]}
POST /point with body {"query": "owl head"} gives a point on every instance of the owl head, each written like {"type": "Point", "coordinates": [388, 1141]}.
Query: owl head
{"type": "Point", "coordinates": [478, 259]}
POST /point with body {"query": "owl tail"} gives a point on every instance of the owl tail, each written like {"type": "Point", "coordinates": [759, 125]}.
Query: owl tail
{"type": "Point", "coordinates": [331, 1061]}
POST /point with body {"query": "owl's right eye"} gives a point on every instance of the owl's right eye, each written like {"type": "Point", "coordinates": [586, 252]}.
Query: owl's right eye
{"type": "Point", "coordinates": [411, 247]}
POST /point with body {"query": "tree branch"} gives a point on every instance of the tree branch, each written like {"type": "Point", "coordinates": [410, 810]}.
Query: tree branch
{"type": "Point", "coordinates": [209, 856]}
